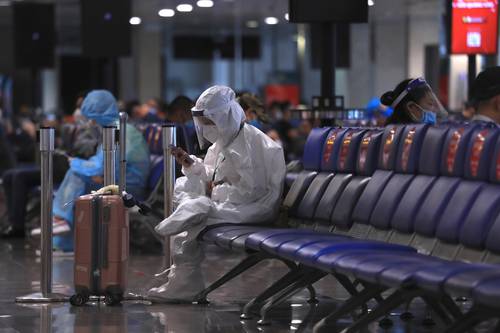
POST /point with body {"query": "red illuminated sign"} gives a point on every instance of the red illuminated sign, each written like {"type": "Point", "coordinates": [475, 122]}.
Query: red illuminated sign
{"type": "Point", "coordinates": [474, 26]}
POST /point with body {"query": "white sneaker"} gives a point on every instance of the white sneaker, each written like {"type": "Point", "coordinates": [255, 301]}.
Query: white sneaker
{"type": "Point", "coordinates": [58, 227]}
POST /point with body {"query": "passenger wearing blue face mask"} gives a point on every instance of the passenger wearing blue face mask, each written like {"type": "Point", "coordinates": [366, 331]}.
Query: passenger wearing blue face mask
{"type": "Point", "coordinates": [413, 101]}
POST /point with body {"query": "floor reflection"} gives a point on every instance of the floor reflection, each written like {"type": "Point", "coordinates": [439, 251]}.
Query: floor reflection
{"type": "Point", "coordinates": [19, 275]}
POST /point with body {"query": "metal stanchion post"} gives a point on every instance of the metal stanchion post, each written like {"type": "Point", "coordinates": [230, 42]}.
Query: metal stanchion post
{"type": "Point", "coordinates": [46, 319]}
{"type": "Point", "coordinates": [123, 151]}
{"type": "Point", "coordinates": [46, 169]}
{"type": "Point", "coordinates": [109, 150]}
{"type": "Point", "coordinates": [169, 138]}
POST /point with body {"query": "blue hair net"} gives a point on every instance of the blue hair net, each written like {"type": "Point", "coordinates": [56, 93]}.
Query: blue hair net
{"type": "Point", "coordinates": [100, 105]}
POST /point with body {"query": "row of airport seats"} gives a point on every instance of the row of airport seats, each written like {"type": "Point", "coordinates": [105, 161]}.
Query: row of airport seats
{"type": "Point", "coordinates": [393, 214]}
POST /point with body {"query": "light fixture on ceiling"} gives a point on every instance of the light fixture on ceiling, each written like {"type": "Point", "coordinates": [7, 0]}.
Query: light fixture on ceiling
{"type": "Point", "coordinates": [271, 20]}
{"type": "Point", "coordinates": [184, 8]}
{"type": "Point", "coordinates": [4, 3]}
{"type": "Point", "coordinates": [252, 24]}
{"type": "Point", "coordinates": [287, 17]}
{"type": "Point", "coordinates": [371, 3]}
{"type": "Point", "coordinates": [205, 3]}
{"type": "Point", "coordinates": [135, 20]}
{"type": "Point", "coordinates": [166, 12]}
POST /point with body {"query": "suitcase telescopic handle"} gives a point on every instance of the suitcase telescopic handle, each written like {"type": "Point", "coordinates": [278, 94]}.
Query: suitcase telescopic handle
{"type": "Point", "coordinates": [123, 151]}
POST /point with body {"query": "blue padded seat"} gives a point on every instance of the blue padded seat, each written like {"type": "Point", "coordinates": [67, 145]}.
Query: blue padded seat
{"type": "Point", "coordinates": [480, 152]}
{"type": "Point", "coordinates": [467, 282]}
{"type": "Point", "coordinates": [386, 164]}
{"type": "Point", "coordinates": [310, 253]}
{"type": "Point", "coordinates": [329, 200]}
{"type": "Point", "coordinates": [403, 219]}
{"type": "Point", "coordinates": [463, 282]}
{"type": "Point", "coordinates": [407, 160]}
{"type": "Point", "coordinates": [347, 158]}
{"type": "Point", "coordinates": [341, 217]}
{"type": "Point", "coordinates": [455, 147]}
{"type": "Point", "coordinates": [356, 262]}
{"type": "Point", "coordinates": [308, 247]}
{"type": "Point", "coordinates": [234, 238]}
{"type": "Point", "coordinates": [462, 221]}
{"type": "Point", "coordinates": [451, 169]}
{"type": "Point", "coordinates": [392, 269]}
{"type": "Point", "coordinates": [328, 261]}
{"type": "Point", "coordinates": [337, 204]}
{"type": "Point", "coordinates": [330, 149]}
{"type": "Point", "coordinates": [406, 165]}
{"type": "Point", "coordinates": [307, 207]}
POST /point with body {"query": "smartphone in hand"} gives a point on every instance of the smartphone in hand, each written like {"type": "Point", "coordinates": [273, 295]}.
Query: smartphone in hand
{"type": "Point", "coordinates": [181, 156]}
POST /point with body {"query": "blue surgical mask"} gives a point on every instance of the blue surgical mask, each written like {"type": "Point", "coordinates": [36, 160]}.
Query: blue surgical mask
{"type": "Point", "coordinates": [429, 117]}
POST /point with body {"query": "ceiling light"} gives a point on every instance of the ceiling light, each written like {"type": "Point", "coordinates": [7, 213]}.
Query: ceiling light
{"type": "Point", "coordinates": [205, 3]}
{"type": "Point", "coordinates": [271, 20]}
{"type": "Point", "coordinates": [252, 24]}
{"type": "Point", "coordinates": [135, 20]}
{"type": "Point", "coordinates": [184, 8]}
{"type": "Point", "coordinates": [371, 3]}
{"type": "Point", "coordinates": [4, 3]}
{"type": "Point", "coordinates": [166, 12]}
{"type": "Point", "coordinates": [287, 17]}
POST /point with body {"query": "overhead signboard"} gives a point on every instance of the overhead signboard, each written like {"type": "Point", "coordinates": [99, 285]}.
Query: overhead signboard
{"type": "Point", "coordinates": [474, 26]}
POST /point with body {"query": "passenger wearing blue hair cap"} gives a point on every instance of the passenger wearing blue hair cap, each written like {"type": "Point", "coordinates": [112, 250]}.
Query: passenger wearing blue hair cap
{"type": "Point", "coordinates": [86, 175]}
{"type": "Point", "coordinates": [100, 105]}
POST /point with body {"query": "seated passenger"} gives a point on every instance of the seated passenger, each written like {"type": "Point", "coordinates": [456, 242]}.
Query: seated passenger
{"type": "Point", "coordinates": [81, 141]}
{"type": "Point", "coordinates": [86, 175]}
{"type": "Point", "coordinates": [413, 101]}
{"type": "Point", "coordinates": [254, 111]}
{"type": "Point", "coordinates": [239, 181]}
{"type": "Point", "coordinates": [485, 92]}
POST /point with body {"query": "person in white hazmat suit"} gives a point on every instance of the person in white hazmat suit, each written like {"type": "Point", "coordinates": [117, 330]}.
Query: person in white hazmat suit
{"type": "Point", "coordinates": [239, 181]}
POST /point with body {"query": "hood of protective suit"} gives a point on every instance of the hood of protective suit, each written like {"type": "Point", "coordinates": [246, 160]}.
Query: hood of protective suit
{"type": "Point", "coordinates": [218, 103]}
{"type": "Point", "coordinates": [100, 105]}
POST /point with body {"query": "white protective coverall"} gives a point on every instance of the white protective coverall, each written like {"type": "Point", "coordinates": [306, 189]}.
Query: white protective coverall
{"type": "Point", "coordinates": [251, 169]}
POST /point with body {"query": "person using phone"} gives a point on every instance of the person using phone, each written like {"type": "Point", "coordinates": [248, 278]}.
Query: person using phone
{"type": "Point", "coordinates": [240, 180]}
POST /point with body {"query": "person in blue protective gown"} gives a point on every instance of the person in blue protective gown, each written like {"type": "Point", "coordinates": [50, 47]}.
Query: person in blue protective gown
{"type": "Point", "coordinates": [84, 176]}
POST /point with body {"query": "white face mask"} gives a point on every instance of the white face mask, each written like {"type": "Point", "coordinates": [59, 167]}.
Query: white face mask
{"type": "Point", "coordinates": [210, 133]}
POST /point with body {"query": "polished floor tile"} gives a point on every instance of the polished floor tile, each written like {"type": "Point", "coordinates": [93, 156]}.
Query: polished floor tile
{"type": "Point", "coordinates": [20, 272]}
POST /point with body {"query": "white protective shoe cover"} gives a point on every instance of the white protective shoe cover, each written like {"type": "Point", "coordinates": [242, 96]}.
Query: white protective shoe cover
{"type": "Point", "coordinates": [182, 287]}
{"type": "Point", "coordinates": [185, 278]}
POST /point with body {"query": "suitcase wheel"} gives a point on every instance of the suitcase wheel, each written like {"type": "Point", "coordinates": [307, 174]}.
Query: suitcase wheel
{"type": "Point", "coordinates": [78, 300]}
{"type": "Point", "coordinates": [112, 299]}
